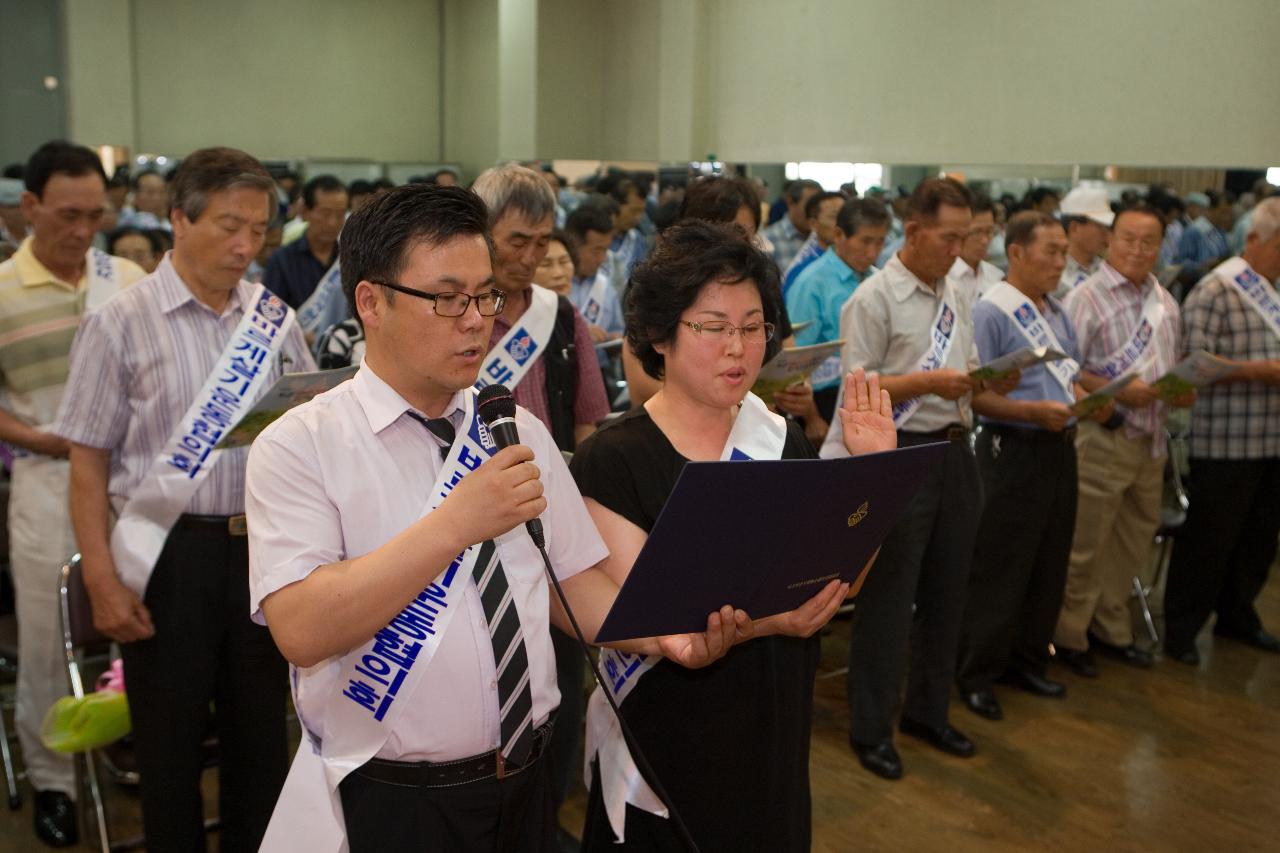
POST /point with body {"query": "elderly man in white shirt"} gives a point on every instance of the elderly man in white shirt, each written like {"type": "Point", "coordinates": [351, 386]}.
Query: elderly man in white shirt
{"type": "Point", "coordinates": [417, 724]}
{"type": "Point", "coordinates": [910, 323]}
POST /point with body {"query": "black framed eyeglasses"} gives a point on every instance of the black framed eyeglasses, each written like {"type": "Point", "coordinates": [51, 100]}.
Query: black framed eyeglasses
{"type": "Point", "coordinates": [452, 303]}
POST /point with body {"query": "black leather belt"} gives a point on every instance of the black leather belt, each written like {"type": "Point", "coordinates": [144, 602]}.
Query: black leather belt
{"type": "Point", "coordinates": [231, 525]}
{"type": "Point", "coordinates": [1040, 436]}
{"type": "Point", "coordinates": [451, 774]}
{"type": "Point", "coordinates": [954, 433]}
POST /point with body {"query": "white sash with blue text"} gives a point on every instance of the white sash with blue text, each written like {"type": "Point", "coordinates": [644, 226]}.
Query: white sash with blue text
{"type": "Point", "coordinates": [523, 344]}
{"type": "Point", "coordinates": [237, 380]}
{"type": "Point", "coordinates": [757, 434]}
{"type": "Point", "coordinates": [326, 306]}
{"type": "Point", "coordinates": [1137, 351]}
{"type": "Point", "coordinates": [1255, 290]}
{"type": "Point", "coordinates": [1035, 329]}
{"type": "Point", "coordinates": [594, 306]}
{"type": "Point", "coordinates": [103, 283]}
{"type": "Point", "coordinates": [376, 681]}
{"type": "Point", "coordinates": [942, 334]}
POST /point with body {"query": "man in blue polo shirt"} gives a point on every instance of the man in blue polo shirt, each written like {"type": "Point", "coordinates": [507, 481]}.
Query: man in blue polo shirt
{"type": "Point", "coordinates": [821, 211]}
{"type": "Point", "coordinates": [1027, 460]}
{"type": "Point", "coordinates": [822, 289]}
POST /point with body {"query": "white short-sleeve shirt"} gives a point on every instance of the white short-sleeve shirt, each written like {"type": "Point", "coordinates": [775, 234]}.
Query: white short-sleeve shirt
{"type": "Point", "coordinates": [887, 325]}
{"type": "Point", "coordinates": [340, 476]}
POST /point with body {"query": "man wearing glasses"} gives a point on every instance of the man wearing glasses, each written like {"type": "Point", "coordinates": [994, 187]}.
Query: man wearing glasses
{"type": "Point", "coordinates": [911, 324]}
{"type": "Point", "coordinates": [970, 274]}
{"type": "Point", "coordinates": [404, 588]}
{"type": "Point", "coordinates": [1125, 323]}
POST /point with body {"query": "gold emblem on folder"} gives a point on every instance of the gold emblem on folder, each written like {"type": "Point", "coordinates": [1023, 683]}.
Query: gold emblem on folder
{"type": "Point", "coordinates": [861, 513]}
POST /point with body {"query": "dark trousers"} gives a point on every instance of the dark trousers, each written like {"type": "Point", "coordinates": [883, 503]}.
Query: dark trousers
{"type": "Point", "coordinates": [564, 754]}
{"type": "Point", "coordinates": [511, 815]}
{"type": "Point", "coordinates": [206, 651]}
{"type": "Point", "coordinates": [925, 562]}
{"type": "Point", "coordinates": [1223, 552]}
{"type": "Point", "coordinates": [1019, 566]}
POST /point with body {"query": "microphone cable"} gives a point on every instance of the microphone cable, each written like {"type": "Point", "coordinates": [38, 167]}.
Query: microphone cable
{"type": "Point", "coordinates": [646, 770]}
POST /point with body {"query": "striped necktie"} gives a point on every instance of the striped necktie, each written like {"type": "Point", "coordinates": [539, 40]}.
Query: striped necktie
{"type": "Point", "coordinates": [515, 699]}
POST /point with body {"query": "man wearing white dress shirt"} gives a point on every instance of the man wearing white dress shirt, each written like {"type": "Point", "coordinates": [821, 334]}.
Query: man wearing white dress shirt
{"type": "Point", "coordinates": [970, 274]}
{"type": "Point", "coordinates": [909, 323]}
{"type": "Point", "coordinates": [154, 381]}
{"type": "Point", "coordinates": [356, 569]}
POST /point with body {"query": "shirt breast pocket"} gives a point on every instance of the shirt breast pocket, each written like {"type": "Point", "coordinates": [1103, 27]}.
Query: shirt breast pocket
{"type": "Point", "coordinates": [520, 558]}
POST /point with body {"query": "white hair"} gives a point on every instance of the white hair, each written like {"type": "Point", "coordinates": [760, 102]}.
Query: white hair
{"type": "Point", "coordinates": [1266, 218]}
{"type": "Point", "coordinates": [514, 187]}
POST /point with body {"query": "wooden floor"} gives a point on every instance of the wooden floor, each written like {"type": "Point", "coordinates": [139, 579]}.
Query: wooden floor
{"type": "Point", "coordinates": [1173, 758]}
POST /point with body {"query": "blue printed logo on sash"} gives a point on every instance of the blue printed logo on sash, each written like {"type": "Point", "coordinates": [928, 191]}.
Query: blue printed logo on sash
{"type": "Point", "coordinates": [102, 264]}
{"type": "Point", "coordinates": [947, 320]}
{"type": "Point", "coordinates": [272, 309]}
{"type": "Point", "coordinates": [1024, 315]}
{"type": "Point", "coordinates": [738, 456]}
{"type": "Point", "coordinates": [521, 346]}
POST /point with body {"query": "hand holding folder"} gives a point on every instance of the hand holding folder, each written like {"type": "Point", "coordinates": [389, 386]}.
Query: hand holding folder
{"type": "Point", "coordinates": [712, 545]}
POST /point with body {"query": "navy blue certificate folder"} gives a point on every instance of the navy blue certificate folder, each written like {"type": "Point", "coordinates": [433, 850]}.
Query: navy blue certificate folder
{"type": "Point", "coordinates": [762, 536]}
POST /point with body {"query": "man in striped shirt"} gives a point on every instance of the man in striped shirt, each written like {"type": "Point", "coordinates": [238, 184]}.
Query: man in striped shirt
{"type": "Point", "coordinates": [184, 630]}
{"type": "Point", "coordinates": [45, 288]}
{"type": "Point", "coordinates": [1125, 322]}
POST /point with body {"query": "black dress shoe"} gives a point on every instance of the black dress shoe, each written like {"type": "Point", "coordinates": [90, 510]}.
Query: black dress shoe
{"type": "Point", "coordinates": [1033, 683]}
{"type": "Point", "coordinates": [984, 704]}
{"type": "Point", "coordinates": [880, 758]}
{"type": "Point", "coordinates": [55, 819]}
{"type": "Point", "coordinates": [1182, 654]}
{"type": "Point", "coordinates": [1259, 639]}
{"type": "Point", "coordinates": [1129, 654]}
{"type": "Point", "coordinates": [947, 738]}
{"type": "Point", "coordinates": [1081, 663]}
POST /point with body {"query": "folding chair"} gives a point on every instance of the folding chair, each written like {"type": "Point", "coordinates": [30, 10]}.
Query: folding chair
{"type": "Point", "coordinates": [1173, 514]}
{"type": "Point", "coordinates": [82, 642]}
{"type": "Point", "coordinates": [9, 668]}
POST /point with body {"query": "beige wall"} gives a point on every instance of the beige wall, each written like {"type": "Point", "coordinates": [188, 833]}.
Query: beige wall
{"type": "Point", "coordinates": [100, 104]}
{"type": "Point", "coordinates": [1020, 82]}
{"type": "Point", "coordinates": [572, 51]}
{"type": "Point", "coordinates": [286, 78]}
{"type": "Point", "coordinates": [471, 90]}
{"type": "Point", "coordinates": [1179, 82]}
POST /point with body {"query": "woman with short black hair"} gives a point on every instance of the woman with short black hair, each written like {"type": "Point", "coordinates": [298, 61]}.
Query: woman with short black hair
{"type": "Point", "coordinates": [701, 318]}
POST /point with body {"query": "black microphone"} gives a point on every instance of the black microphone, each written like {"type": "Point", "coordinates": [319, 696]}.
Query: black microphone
{"type": "Point", "coordinates": [497, 408]}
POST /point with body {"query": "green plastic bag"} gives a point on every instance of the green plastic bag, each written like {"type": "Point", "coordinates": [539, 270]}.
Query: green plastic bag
{"type": "Point", "coordinates": [78, 725]}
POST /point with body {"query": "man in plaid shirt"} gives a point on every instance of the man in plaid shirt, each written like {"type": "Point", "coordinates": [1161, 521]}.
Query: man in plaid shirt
{"type": "Point", "coordinates": [1222, 555]}
{"type": "Point", "coordinates": [1126, 323]}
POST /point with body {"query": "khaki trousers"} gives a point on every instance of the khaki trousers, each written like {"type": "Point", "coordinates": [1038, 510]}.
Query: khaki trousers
{"type": "Point", "coordinates": [1116, 517]}
{"type": "Point", "coordinates": [40, 541]}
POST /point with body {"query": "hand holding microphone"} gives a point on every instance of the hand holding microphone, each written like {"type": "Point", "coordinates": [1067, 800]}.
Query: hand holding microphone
{"type": "Point", "coordinates": [504, 491]}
